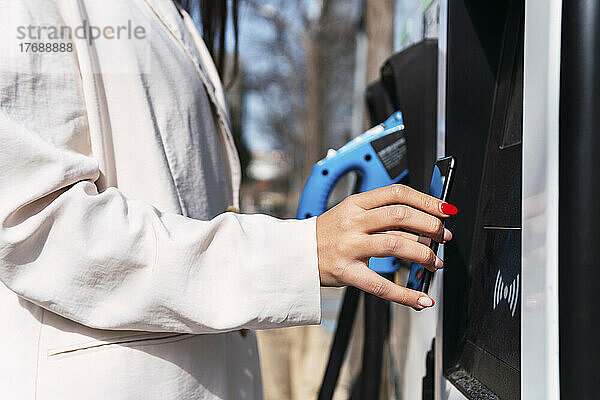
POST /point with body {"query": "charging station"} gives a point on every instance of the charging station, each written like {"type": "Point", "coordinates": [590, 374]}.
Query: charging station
{"type": "Point", "coordinates": [510, 90]}
{"type": "Point", "coordinates": [516, 102]}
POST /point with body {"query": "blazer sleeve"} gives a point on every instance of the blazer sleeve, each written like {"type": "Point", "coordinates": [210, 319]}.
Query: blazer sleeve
{"type": "Point", "coordinates": [110, 262]}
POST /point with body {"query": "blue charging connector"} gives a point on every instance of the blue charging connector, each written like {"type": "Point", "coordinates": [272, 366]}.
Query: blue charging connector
{"type": "Point", "coordinates": [379, 155]}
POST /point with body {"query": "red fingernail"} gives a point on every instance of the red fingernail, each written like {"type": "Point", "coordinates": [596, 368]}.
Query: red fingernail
{"type": "Point", "coordinates": [425, 301]}
{"type": "Point", "coordinates": [448, 209]}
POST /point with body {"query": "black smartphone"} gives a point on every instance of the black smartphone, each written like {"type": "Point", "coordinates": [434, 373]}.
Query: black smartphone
{"type": "Point", "coordinates": [440, 186]}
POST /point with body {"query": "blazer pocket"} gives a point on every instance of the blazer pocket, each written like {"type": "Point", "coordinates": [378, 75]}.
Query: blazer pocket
{"type": "Point", "coordinates": [133, 340]}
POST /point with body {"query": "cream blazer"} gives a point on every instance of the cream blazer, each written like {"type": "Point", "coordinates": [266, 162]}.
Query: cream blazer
{"type": "Point", "coordinates": [122, 278]}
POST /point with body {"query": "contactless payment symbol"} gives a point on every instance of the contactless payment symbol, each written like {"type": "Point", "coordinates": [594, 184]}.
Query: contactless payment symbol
{"type": "Point", "coordinates": [509, 293]}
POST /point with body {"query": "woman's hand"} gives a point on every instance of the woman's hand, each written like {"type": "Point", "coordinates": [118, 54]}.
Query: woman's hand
{"type": "Point", "coordinates": [368, 225]}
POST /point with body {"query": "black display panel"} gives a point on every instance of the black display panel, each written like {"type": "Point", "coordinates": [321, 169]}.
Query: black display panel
{"type": "Point", "coordinates": [410, 79]}
{"type": "Point", "coordinates": [482, 280]}
{"type": "Point", "coordinates": [378, 103]}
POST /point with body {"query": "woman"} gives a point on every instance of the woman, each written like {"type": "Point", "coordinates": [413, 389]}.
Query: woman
{"type": "Point", "coordinates": [122, 276]}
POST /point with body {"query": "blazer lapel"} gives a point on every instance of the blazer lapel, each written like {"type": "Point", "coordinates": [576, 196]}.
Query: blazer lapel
{"type": "Point", "coordinates": [164, 10]}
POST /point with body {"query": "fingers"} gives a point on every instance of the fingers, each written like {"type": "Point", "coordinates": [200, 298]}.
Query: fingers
{"type": "Point", "coordinates": [384, 245]}
{"type": "Point", "coordinates": [371, 282]}
{"type": "Point", "coordinates": [401, 194]}
{"type": "Point", "coordinates": [410, 236]}
{"type": "Point", "coordinates": [401, 216]}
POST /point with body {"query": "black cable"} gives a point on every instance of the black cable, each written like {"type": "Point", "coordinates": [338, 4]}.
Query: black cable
{"type": "Point", "coordinates": [340, 343]}
{"type": "Point", "coordinates": [377, 317]}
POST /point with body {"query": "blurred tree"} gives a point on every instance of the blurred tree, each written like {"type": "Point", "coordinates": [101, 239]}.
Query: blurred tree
{"type": "Point", "coordinates": [379, 17]}
{"type": "Point", "coordinates": [235, 97]}
{"type": "Point", "coordinates": [307, 83]}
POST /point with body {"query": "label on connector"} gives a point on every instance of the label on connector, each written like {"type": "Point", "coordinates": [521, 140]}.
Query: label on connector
{"type": "Point", "coordinates": [391, 150]}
